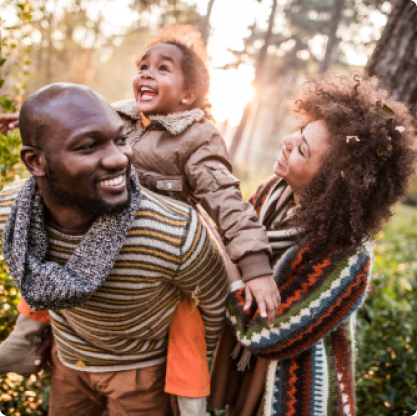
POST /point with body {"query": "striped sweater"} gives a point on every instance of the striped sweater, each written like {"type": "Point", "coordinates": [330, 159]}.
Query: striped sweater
{"type": "Point", "coordinates": [124, 325]}
{"type": "Point", "coordinates": [311, 345]}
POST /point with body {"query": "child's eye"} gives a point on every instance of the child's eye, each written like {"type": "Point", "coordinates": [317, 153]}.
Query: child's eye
{"type": "Point", "coordinates": [163, 68]}
{"type": "Point", "coordinates": [301, 152]}
{"type": "Point", "coordinates": [143, 68]}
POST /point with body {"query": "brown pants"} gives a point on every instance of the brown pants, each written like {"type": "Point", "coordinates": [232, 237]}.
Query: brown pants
{"type": "Point", "coordinates": [127, 393]}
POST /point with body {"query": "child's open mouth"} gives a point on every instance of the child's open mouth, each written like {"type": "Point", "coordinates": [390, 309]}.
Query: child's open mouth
{"type": "Point", "coordinates": [147, 93]}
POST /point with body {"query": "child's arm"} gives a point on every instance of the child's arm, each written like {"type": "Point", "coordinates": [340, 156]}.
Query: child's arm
{"type": "Point", "coordinates": [208, 172]}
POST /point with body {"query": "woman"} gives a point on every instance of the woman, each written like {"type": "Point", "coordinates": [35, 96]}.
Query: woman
{"type": "Point", "coordinates": [335, 182]}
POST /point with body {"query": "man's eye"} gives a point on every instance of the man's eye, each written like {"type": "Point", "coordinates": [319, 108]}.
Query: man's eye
{"type": "Point", "coordinates": [88, 146]}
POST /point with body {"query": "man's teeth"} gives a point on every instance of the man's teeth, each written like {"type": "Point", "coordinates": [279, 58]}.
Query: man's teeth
{"type": "Point", "coordinates": [113, 182]}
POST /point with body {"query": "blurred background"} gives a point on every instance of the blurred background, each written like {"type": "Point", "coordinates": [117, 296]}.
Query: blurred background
{"type": "Point", "coordinates": [259, 50]}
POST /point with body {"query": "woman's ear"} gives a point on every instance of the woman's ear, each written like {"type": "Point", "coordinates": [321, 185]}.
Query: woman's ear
{"type": "Point", "coordinates": [34, 160]}
{"type": "Point", "coordinates": [189, 97]}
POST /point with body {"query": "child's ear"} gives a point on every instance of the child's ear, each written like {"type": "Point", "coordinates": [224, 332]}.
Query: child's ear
{"type": "Point", "coordinates": [189, 97]}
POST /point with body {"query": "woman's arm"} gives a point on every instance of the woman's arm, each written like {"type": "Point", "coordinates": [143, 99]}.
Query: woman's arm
{"type": "Point", "coordinates": [317, 296]}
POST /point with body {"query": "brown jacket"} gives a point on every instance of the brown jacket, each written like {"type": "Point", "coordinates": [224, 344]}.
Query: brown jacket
{"type": "Point", "coordinates": [183, 156]}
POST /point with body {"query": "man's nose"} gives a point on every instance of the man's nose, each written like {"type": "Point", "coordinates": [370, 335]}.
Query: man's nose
{"type": "Point", "coordinates": [116, 157]}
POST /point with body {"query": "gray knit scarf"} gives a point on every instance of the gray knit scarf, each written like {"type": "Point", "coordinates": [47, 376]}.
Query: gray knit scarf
{"type": "Point", "coordinates": [46, 284]}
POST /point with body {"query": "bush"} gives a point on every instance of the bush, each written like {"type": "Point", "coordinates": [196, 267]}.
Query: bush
{"type": "Point", "coordinates": [387, 324]}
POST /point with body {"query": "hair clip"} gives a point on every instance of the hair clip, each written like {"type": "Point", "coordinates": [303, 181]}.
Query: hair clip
{"type": "Point", "coordinates": [348, 138]}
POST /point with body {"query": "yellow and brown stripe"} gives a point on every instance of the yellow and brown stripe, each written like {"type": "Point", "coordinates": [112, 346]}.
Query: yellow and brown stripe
{"type": "Point", "coordinates": [125, 323]}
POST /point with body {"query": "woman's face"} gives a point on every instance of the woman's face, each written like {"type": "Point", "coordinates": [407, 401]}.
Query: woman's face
{"type": "Point", "coordinates": [302, 155]}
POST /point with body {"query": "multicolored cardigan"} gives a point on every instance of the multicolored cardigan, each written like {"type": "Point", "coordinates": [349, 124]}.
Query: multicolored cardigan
{"type": "Point", "coordinates": [311, 345]}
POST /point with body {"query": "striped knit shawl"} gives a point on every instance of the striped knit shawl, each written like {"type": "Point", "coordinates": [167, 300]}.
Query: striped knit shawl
{"type": "Point", "coordinates": [274, 203]}
{"type": "Point", "coordinates": [46, 284]}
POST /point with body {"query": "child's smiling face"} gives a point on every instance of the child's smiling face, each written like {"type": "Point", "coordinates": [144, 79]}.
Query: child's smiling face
{"type": "Point", "coordinates": [159, 85]}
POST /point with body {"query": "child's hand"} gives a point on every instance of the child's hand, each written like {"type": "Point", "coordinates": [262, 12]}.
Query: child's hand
{"type": "Point", "coordinates": [8, 122]}
{"type": "Point", "coordinates": [265, 291]}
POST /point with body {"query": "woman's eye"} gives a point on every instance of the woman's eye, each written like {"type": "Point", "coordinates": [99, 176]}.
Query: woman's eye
{"type": "Point", "coordinates": [121, 140]}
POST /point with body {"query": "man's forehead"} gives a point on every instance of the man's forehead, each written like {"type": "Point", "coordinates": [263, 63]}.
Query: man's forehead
{"type": "Point", "coordinates": [73, 118]}
{"type": "Point", "coordinates": [72, 111]}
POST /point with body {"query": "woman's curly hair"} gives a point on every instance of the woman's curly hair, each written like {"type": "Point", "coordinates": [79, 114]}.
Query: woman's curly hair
{"type": "Point", "coordinates": [196, 74]}
{"type": "Point", "coordinates": [367, 167]}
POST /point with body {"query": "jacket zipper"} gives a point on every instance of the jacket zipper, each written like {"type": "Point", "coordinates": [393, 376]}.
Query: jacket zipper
{"type": "Point", "coordinates": [139, 136]}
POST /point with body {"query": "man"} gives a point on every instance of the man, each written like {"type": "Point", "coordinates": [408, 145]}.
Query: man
{"type": "Point", "coordinates": [107, 258]}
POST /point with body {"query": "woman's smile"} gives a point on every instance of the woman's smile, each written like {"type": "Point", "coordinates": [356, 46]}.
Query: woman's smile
{"type": "Point", "coordinates": [282, 160]}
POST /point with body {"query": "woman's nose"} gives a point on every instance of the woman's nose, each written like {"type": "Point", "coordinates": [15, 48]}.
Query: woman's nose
{"type": "Point", "coordinates": [286, 141]}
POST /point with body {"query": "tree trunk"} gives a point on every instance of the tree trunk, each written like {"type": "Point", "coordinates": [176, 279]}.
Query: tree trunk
{"type": "Point", "coordinates": [205, 27]}
{"type": "Point", "coordinates": [335, 19]}
{"type": "Point", "coordinates": [394, 59]}
{"type": "Point", "coordinates": [257, 82]}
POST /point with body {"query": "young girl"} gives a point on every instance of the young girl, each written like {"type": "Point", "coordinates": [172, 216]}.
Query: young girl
{"type": "Point", "coordinates": [178, 152]}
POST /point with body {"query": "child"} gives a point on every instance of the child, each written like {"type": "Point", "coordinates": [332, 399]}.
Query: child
{"type": "Point", "coordinates": [178, 152]}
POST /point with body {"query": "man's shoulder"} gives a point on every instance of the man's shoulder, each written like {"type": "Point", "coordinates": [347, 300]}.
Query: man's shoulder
{"type": "Point", "coordinates": [165, 223]}
{"type": "Point", "coordinates": [7, 197]}
{"type": "Point", "coordinates": [165, 206]}
{"type": "Point", "coordinates": [11, 190]}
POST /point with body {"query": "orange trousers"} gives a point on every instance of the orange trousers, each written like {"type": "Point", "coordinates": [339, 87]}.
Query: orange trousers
{"type": "Point", "coordinates": [187, 368]}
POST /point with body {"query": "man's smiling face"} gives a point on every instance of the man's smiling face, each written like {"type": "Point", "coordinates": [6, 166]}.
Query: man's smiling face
{"type": "Point", "coordinates": [88, 157]}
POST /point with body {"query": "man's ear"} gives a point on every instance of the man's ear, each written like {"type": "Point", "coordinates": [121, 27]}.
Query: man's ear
{"type": "Point", "coordinates": [34, 160]}
{"type": "Point", "coordinates": [189, 97]}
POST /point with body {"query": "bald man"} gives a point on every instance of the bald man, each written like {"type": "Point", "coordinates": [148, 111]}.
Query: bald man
{"type": "Point", "coordinates": [107, 258]}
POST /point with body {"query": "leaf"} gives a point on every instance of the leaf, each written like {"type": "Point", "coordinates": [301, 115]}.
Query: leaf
{"type": "Point", "coordinates": [2, 61]}
{"type": "Point", "coordinates": [1, 82]}
{"type": "Point", "coordinates": [388, 111]}
{"type": "Point", "coordinates": [380, 152]}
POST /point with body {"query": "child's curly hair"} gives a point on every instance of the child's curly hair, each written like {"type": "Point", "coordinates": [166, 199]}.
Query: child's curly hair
{"type": "Point", "coordinates": [193, 64]}
{"type": "Point", "coordinates": [368, 165]}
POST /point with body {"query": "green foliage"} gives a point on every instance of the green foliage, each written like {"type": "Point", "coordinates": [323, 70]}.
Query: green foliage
{"type": "Point", "coordinates": [387, 324]}
{"type": "Point", "coordinates": [412, 194]}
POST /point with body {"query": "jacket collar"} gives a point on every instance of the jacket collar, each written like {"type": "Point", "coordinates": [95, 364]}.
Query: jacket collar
{"type": "Point", "coordinates": [178, 123]}
{"type": "Point", "coordinates": [127, 108]}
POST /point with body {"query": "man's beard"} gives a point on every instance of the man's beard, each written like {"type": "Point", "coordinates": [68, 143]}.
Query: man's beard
{"type": "Point", "coordinates": [93, 203]}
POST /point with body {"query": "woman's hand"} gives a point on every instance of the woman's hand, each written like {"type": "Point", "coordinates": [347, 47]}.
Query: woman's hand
{"type": "Point", "coordinates": [8, 122]}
